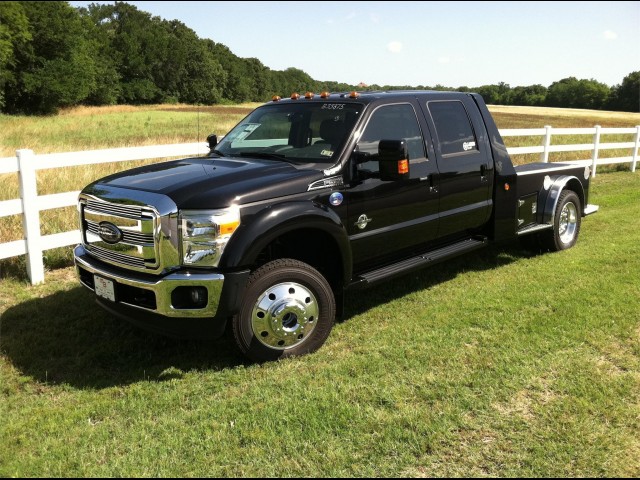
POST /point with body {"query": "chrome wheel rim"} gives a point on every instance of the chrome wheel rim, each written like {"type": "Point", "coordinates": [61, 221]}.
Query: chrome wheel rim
{"type": "Point", "coordinates": [284, 315]}
{"type": "Point", "coordinates": [568, 223]}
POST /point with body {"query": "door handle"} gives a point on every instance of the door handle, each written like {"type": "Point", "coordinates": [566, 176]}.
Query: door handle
{"type": "Point", "coordinates": [483, 172]}
{"type": "Point", "coordinates": [433, 187]}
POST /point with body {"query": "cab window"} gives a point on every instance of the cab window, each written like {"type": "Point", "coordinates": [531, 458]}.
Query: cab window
{"type": "Point", "coordinates": [390, 122]}
{"type": "Point", "coordinates": [453, 127]}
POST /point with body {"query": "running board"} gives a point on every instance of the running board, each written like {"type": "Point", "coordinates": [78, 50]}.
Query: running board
{"type": "Point", "coordinates": [420, 261]}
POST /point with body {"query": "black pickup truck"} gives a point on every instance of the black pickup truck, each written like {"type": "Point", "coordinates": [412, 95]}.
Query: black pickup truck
{"type": "Point", "coordinates": [306, 199]}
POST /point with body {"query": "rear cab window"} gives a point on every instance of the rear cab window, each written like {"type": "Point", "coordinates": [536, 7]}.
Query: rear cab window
{"type": "Point", "coordinates": [453, 127]}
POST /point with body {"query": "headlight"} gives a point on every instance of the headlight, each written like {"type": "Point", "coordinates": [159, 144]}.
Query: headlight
{"type": "Point", "coordinates": [205, 234]}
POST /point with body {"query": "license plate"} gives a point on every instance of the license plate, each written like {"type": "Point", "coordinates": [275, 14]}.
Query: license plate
{"type": "Point", "coordinates": [104, 288]}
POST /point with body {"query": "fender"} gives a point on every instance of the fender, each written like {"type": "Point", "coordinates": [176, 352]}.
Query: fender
{"type": "Point", "coordinates": [271, 222]}
{"type": "Point", "coordinates": [556, 188]}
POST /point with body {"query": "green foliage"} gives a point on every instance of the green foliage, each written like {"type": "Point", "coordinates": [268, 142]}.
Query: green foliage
{"type": "Point", "coordinates": [54, 56]}
{"type": "Point", "coordinates": [55, 69]}
{"type": "Point", "coordinates": [573, 93]}
{"type": "Point", "coordinates": [626, 97]}
{"type": "Point", "coordinates": [14, 35]}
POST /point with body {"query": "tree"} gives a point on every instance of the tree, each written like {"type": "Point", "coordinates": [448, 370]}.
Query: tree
{"type": "Point", "coordinates": [56, 68]}
{"type": "Point", "coordinates": [100, 30]}
{"type": "Point", "coordinates": [626, 96]}
{"type": "Point", "coordinates": [14, 36]}
{"type": "Point", "coordinates": [573, 93]}
{"type": "Point", "coordinates": [532, 95]}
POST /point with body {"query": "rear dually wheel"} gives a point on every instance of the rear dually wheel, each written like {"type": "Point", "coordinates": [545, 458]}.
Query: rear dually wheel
{"type": "Point", "coordinates": [566, 223]}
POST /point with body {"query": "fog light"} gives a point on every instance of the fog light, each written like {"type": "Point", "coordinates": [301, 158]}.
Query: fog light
{"type": "Point", "coordinates": [185, 298]}
{"type": "Point", "coordinates": [199, 296]}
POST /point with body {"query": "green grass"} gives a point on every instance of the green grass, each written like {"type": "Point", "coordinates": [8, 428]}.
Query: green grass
{"type": "Point", "coordinates": [499, 363]}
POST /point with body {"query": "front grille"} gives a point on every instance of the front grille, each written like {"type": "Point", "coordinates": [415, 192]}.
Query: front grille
{"type": "Point", "coordinates": [137, 247]}
{"type": "Point", "coordinates": [115, 257]}
{"type": "Point", "coordinates": [129, 237]}
{"type": "Point", "coordinates": [117, 209]}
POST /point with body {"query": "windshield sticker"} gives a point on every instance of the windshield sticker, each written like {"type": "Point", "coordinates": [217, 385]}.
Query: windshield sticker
{"type": "Point", "coordinates": [326, 153]}
{"type": "Point", "coordinates": [333, 106]}
{"type": "Point", "coordinates": [249, 128]}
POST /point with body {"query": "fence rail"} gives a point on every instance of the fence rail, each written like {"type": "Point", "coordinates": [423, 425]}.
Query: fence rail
{"type": "Point", "coordinates": [26, 163]}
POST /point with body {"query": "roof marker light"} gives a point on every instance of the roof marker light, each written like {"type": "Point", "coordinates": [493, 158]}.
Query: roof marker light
{"type": "Point", "coordinates": [275, 98]}
{"type": "Point", "coordinates": [354, 95]}
{"type": "Point", "coordinates": [309, 95]}
{"type": "Point", "coordinates": [295, 96]}
{"type": "Point", "coordinates": [325, 95]}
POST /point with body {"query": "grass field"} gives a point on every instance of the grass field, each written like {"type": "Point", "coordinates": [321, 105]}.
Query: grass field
{"type": "Point", "coordinates": [500, 363]}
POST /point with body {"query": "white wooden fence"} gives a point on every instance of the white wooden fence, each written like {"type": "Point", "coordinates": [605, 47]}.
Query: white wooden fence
{"type": "Point", "coordinates": [29, 205]}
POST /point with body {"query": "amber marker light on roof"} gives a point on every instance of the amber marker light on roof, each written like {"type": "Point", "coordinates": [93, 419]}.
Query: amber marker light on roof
{"type": "Point", "coordinates": [275, 98]}
{"type": "Point", "coordinates": [354, 95]}
{"type": "Point", "coordinates": [309, 95]}
{"type": "Point", "coordinates": [295, 96]}
{"type": "Point", "coordinates": [325, 95]}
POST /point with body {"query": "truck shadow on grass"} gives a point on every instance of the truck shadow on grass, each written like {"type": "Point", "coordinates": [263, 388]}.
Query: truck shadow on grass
{"type": "Point", "coordinates": [65, 338]}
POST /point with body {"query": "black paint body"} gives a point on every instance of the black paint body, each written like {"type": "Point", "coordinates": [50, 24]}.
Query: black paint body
{"type": "Point", "coordinates": [450, 204]}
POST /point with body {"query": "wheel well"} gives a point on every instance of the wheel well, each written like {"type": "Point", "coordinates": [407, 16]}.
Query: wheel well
{"type": "Point", "coordinates": [313, 247]}
{"type": "Point", "coordinates": [575, 186]}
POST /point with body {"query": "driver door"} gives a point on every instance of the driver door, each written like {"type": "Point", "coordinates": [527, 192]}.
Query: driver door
{"type": "Point", "coordinates": [390, 219]}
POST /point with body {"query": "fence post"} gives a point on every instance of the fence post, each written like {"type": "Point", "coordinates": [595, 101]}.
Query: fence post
{"type": "Point", "coordinates": [596, 148]}
{"type": "Point", "coordinates": [31, 215]}
{"type": "Point", "coordinates": [635, 149]}
{"type": "Point", "coordinates": [546, 141]}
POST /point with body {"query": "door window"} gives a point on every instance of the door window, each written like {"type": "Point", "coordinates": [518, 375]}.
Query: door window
{"type": "Point", "coordinates": [453, 127]}
{"type": "Point", "coordinates": [390, 122]}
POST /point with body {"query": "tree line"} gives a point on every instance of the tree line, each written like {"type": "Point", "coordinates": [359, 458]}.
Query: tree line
{"type": "Point", "coordinates": [53, 56]}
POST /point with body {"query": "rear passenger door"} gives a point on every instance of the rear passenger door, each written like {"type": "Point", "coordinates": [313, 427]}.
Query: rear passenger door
{"type": "Point", "coordinates": [465, 165]}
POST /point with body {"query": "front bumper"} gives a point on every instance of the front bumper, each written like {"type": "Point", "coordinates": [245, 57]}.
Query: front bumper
{"type": "Point", "coordinates": [147, 300]}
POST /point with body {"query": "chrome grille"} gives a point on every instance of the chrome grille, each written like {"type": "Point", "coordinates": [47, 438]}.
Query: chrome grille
{"type": "Point", "coordinates": [115, 257]}
{"type": "Point", "coordinates": [137, 247]}
{"type": "Point", "coordinates": [130, 237]}
{"type": "Point", "coordinates": [129, 211]}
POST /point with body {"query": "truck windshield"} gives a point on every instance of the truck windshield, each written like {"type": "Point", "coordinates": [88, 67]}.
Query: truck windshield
{"type": "Point", "coordinates": [293, 132]}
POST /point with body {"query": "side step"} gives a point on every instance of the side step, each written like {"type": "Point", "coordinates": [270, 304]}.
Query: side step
{"type": "Point", "coordinates": [421, 260]}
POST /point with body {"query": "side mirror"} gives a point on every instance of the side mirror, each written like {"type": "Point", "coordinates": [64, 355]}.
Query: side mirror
{"type": "Point", "coordinates": [212, 140]}
{"type": "Point", "coordinates": [393, 156]}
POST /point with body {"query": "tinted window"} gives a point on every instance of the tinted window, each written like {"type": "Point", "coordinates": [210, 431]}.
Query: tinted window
{"type": "Point", "coordinates": [392, 122]}
{"type": "Point", "coordinates": [295, 132]}
{"type": "Point", "coordinates": [453, 127]}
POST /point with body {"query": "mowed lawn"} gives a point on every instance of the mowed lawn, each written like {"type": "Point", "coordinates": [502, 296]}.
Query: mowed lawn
{"type": "Point", "coordinates": [500, 363]}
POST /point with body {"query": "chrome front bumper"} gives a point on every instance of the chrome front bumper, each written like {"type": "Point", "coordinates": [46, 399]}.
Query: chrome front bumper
{"type": "Point", "coordinates": [160, 287]}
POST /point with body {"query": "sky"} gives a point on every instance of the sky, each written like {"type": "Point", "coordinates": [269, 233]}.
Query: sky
{"type": "Point", "coordinates": [423, 43]}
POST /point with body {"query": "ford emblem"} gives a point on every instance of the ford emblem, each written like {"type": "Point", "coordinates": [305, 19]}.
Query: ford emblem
{"type": "Point", "coordinates": [109, 232]}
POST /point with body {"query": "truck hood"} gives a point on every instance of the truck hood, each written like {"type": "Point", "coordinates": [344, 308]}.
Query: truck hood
{"type": "Point", "coordinates": [197, 183]}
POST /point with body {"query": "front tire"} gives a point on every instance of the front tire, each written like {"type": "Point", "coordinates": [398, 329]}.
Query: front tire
{"type": "Point", "coordinates": [566, 223]}
{"type": "Point", "coordinates": [288, 310]}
